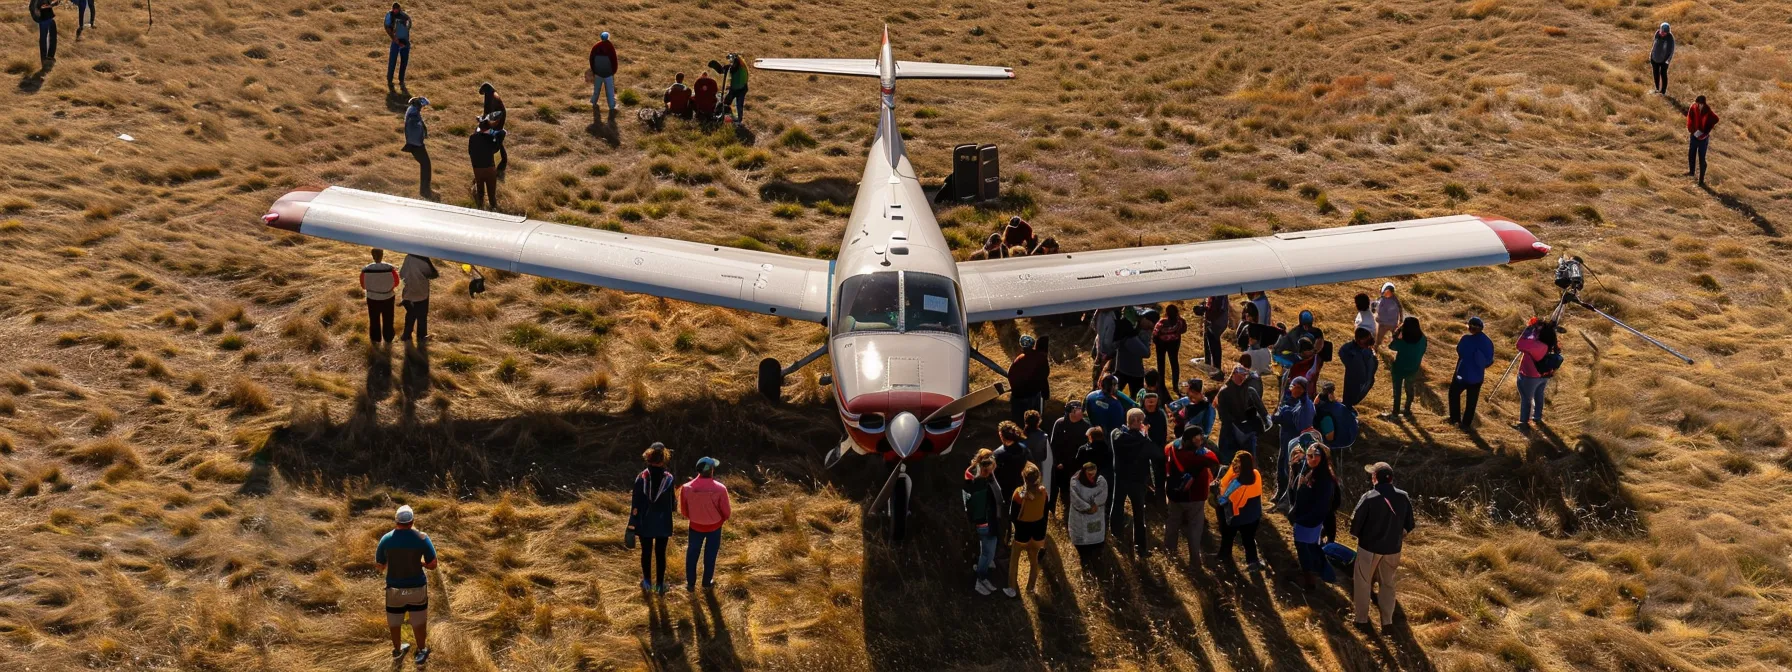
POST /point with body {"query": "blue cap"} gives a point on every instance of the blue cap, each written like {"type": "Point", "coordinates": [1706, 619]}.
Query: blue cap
{"type": "Point", "coordinates": [708, 464]}
{"type": "Point", "coordinates": [1306, 317]}
{"type": "Point", "coordinates": [1026, 342]}
{"type": "Point", "coordinates": [603, 35]}
{"type": "Point", "coordinates": [1475, 322]}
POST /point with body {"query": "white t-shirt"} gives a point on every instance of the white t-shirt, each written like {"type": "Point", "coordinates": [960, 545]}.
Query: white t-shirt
{"type": "Point", "coordinates": [415, 273]}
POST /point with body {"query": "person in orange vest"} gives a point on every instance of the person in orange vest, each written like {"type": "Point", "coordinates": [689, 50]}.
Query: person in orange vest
{"type": "Point", "coordinates": [1699, 122]}
{"type": "Point", "coordinates": [703, 101]}
{"type": "Point", "coordinates": [703, 502]}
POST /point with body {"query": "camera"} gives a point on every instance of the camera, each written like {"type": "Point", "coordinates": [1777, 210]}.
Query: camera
{"type": "Point", "coordinates": [1571, 274]}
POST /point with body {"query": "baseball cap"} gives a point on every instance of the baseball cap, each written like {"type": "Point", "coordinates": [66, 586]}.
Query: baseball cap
{"type": "Point", "coordinates": [1027, 341]}
{"type": "Point", "coordinates": [1073, 405]}
{"type": "Point", "coordinates": [708, 464]}
{"type": "Point", "coordinates": [1475, 322]}
{"type": "Point", "coordinates": [604, 35]}
{"type": "Point", "coordinates": [1298, 380]}
{"type": "Point", "coordinates": [405, 515]}
{"type": "Point", "coordinates": [1380, 468]}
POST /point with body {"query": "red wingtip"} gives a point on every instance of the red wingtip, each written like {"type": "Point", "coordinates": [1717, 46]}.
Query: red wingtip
{"type": "Point", "coordinates": [288, 213]}
{"type": "Point", "coordinates": [1521, 244]}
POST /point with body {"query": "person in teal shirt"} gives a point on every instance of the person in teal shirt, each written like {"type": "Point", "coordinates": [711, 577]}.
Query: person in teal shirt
{"type": "Point", "coordinates": [1409, 353]}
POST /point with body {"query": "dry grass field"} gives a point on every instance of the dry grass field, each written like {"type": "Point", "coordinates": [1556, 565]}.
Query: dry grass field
{"type": "Point", "coordinates": [198, 454]}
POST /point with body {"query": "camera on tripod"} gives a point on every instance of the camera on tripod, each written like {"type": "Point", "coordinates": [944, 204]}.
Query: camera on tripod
{"type": "Point", "coordinates": [1571, 274]}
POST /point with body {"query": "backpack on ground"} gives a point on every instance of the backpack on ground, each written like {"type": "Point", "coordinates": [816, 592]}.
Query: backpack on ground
{"type": "Point", "coordinates": [1339, 555]}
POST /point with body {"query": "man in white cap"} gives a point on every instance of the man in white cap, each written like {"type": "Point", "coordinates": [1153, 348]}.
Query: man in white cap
{"type": "Point", "coordinates": [415, 134]}
{"type": "Point", "coordinates": [1660, 54]}
{"type": "Point", "coordinates": [603, 69]}
{"type": "Point", "coordinates": [403, 554]}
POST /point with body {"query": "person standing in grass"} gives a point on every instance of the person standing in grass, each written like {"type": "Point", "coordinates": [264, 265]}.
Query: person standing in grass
{"type": "Point", "coordinates": [1474, 353]}
{"type": "Point", "coordinates": [703, 502]}
{"type": "Point", "coordinates": [1088, 521]}
{"type": "Point", "coordinates": [1027, 508]}
{"type": "Point", "coordinates": [1188, 470]}
{"type": "Point", "coordinates": [981, 498]}
{"type": "Point", "coordinates": [1216, 318]}
{"type": "Point", "coordinates": [398, 53]}
{"type": "Point", "coordinates": [1241, 414]}
{"type": "Point", "coordinates": [1133, 449]}
{"type": "Point", "coordinates": [1314, 491]}
{"type": "Point", "coordinates": [1240, 507]}
{"type": "Point", "coordinates": [492, 109]}
{"type": "Point", "coordinates": [1168, 338]}
{"type": "Point", "coordinates": [1360, 364]}
{"type": "Point", "coordinates": [403, 554]}
{"type": "Point", "coordinates": [604, 65]}
{"type": "Point", "coordinates": [1132, 346]}
{"type": "Point", "coordinates": [1382, 519]}
{"type": "Point", "coordinates": [1660, 54]}
{"type": "Point", "coordinates": [1699, 122]}
{"type": "Point", "coordinates": [650, 515]}
{"type": "Point", "coordinates": [1029, 378]}
{"type": "Point", "coordinates": [1294, 414]}
{"type": "Point", "coordinates": [1067, 435]}
{"type": "Point", "coordinates": [1389, 314]}
{"type": "Point", "coordinates": [85, 12]}
{"type": "Point", "coordinates": [416, 133]}
{"type": "Point", "coordinates": [1365, 318]}
{"type": "Point", "coordinates": [737, 88]}
{"type": "Point", "coordinates": [1539, 357]}
{"type": "Point", "coordinates": [416, 272]}
{"type": "Point", "coordinates": [379, 281]}
{"type": "Point", "coordinates": [1409, 355]}
{"type": "Point", "coordinates": [482, 149]}
{"type": "Point", "coordinates": [44, 13]}
{"type": "Point", "coordinates": [1193, 409]}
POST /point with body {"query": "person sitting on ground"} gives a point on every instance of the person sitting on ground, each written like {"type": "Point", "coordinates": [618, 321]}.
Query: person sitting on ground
{"type": "Point", "coordinates": [678, 98]}
{"type": "Point", "coordinates": [1409, 357]}
{"type": "Point", "coordinates": [403, 554]}
{"type": "Point", "coordinates": [981, 506]}
{"type": "Point", "coordinates": [703, 502]}
{"type": "Point", "coordinates": [993, 247]}
{"type": "Point", "coordinates": [494, 112]}
{"type": "Point", "coordinates": [650, 514]}
{"type": "Point", "coordinates": [1188, 469]}
{"type": "Point", "coordinates": [1047, 246]}
{"type": "Point", "coordinates": [1287, 349]}
{"type": "Point", "coordinates": [1027, 508]}
{"type": "Point", "coordinates": [1018, 232]}
{"type": "Point", "coordinates": [1088, 516]}
{"type": "Point", "coordinates": [703, 97]}
{"type": "Point", "coordinates": [1067, 435]}
{"type": "Point", "coordinates": [1380, 523]}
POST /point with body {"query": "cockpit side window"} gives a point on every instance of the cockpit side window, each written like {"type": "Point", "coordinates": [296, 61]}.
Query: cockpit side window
{"type": "Point", "coordinates": [871, 302]}
{"type": "Point", "coordinates": [931, 304]}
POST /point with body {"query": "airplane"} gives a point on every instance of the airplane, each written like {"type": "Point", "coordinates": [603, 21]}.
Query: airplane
{"type": "Point", "coordinates": [897, 305]}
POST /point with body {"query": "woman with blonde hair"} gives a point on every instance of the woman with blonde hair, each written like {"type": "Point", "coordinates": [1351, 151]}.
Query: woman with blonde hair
{"type": "Point", "coordinates": [1027, 509]}
{"type": "Point", "coordinates": [981, 502]}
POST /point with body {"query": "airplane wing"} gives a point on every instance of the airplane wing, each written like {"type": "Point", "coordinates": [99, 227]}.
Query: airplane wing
{"type": "Point", "coordinates": [761, 282]}
{"type": "Point", "coordinates": [867, 67]}
{"type": "Point", "coordinates": [1045, 285]}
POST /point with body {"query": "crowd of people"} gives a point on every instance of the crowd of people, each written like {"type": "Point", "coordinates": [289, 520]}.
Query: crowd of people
{"type": "Point", "coordinates": [1132, 451]}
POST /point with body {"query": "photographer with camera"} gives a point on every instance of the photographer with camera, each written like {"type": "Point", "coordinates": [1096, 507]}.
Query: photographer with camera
{"type": "Point", "coordinates": [1539, 357]}
{"type": "Point", "coordinates": [733, 70]}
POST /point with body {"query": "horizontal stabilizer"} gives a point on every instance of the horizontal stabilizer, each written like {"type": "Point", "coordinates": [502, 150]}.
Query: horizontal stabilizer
{"type": "Point", "coordinates": [867, 67]}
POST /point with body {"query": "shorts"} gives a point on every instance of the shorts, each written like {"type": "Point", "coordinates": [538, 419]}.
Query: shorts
{"type": "Point", "coordinates": [413, 601]}
{"type": "Point", "coordinates": [1025, 532]}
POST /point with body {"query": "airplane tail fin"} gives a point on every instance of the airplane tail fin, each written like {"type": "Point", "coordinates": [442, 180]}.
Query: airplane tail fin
{"type": "Point", "coordinates": [867, 67]}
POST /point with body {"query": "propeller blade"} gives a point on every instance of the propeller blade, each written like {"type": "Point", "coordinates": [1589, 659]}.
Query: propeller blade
{"type": "Point", "coordinates": [835, 453]}
{"type": "Point", "coordinates": [884, 494]}
{"type": "Point", "coordinates": [967, 402]}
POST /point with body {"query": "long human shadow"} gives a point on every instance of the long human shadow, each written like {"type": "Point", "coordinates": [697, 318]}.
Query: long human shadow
{"type": "Point", "coordinates": [1327, 607]}
{"type": "Point", "coordinates": [603, 127]}
{"type": "Point", "coordinates": [1742, 207]}
{"type": "Point", "coordinates": [715, 644]}
{"type": "Point", "coordinates": [664, 647]}
{"type": "Point", "coordinates": [34, 82]}
{"type": "Point", "coordinates": [1058, 611]}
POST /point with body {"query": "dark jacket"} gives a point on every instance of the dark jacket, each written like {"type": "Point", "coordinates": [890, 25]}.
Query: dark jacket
{"type": "Point", "coordinates": [1030, 373]}
{"type": "Point", "coordinates": [1359, 371]}
{"type": "Point", "coordinates": [603, 59]}
{"type": "Point", "coordinates": [1474, 353]}
{"type": "Point", "coordinates": [1132, 458]}
{"type": "Point", "coordinates": [1240, 407]}
{"type": "Point", "coordinates": [1382, 518]}
{"type": "Point", "coordinates": [1038, 446]}
{"type": "Point", "coordinates": [1663, 49]}
{"type": "Point", "coordinates": [1157, 425]}
{"type": "Point", "coordinates": [655, 498]}
{"type": "Point", "coordinates": [1129, 359]}
{"type": "Point", "coordinates": [1010, 462]}
{"type": "Point", "coordinates": [482, 148]}
{"type": "Point", "coordinates": [981, 501]}
{"type": "Point", "coordinates": [1218, 317]}
{"type": "Point", "coordinates": [1200, 464]}
{"type": "Point", "coordinates": [1066, 438]}
{"type": "Point", "coordinates": [1100, 454]}
{"type": "Point", "coordinates": [1313, 503]}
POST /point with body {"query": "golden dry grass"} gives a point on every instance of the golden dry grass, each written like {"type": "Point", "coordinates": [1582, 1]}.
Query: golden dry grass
{"type": "Point", "coordinates": [198, 456]}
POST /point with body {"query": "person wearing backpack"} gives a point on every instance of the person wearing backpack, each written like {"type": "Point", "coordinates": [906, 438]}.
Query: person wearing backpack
{"type": "Point", "coordinates": [1334, 420]}
{"type": "Point", "coordinates": [1188, 471]}
{"type": "Point", "coordinates": [44, 13]}
{"type": "Point", "coordinates": [1539, 357]}
{"type": "Point", "coordinates": [604, 64]}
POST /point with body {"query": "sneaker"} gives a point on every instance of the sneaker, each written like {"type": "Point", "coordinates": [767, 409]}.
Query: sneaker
{"type": "Point", "coordinates": [661, 589]}
{"type": "Point", "coordinates": [1010, 591]}
{"type": "Point", "coordinates": [401, 650]}
{"type": "Point", "coordinates": [421, 657]}
{"type": "Point", "coordinates": [1254, 567]}
{"type": "Point", "coordinates": [982, 587]}
{"type": "Point", "coordinates": [690, 587]}
{"type": "Point", "coordinates": [1522, 426]}
{"type": "Point", "coordinates": [646, 585]}
{"type": "Point", "coordinates": [1390, 415]}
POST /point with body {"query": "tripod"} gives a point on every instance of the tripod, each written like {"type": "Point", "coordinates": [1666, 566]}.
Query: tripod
{"type": "Point", "coordinates": [1570, 277]}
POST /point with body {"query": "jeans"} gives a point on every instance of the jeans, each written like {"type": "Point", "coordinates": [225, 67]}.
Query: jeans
{"type": "Point", "coordinates": [1659, 72]}
{"type": "Point", "coordinates": [46, 40]}
{"type": "Point", "coordinates": [397, 55]}
{"type": "Point", "coordinates": [986, 549]}
{"type": "Point", "coordinates": [379, 320]}
{"type": "Point", "coordinates": [654, 549]}
{"type": "Point", "coordinates": [416, 317]}
{"type": "Point", "coordinates": [1210, 347]}
{"type": "Point", "coordinates": [599, 85]}
{"type": "Point", "coordinates": [1233, 439]}
{"type": "Point", "coordinates": [1695, 154]}
{"type": "Point", "coordinates": [424, 170]}
{"type": "Point", "coordinates": [1408, 383]}
{"type": "Point", "coordinates": [739, 98]}
{"type": "Point", "coordinates": [1173, 374]}
{"type": "Point", "coordinates": [1312, 559]}
{"type": "Point", "coordinates": [1466, 414]}
{"type": "Point", "coordinates": [1248, 533]}
{"type": "Point", "coordinates": [1018, 406]}
{"type": "Point", "coordinates": [85, 12]}
{"type": "Point", "coordinates": [709, 544]}
{"type": "Point", "coordinates": [1530, 398]}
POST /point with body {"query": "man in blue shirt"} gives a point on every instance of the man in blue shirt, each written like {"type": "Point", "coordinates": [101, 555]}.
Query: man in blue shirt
{"type": "Point", "coordinates": [1474, 353]}
{"type": "Point", "coordinates": [403, 554]}
{"type": "Point", "coordinates": [398, 54]}
{"type": "Point", "coordinates": [1107, 406]}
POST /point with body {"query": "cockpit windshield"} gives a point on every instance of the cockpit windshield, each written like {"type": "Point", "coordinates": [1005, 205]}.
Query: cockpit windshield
{"type": "Point", "coordinates": [898, 301]}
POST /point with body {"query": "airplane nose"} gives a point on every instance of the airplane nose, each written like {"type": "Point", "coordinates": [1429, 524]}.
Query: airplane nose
{"type": "Point", "coordinates": [904, 433]}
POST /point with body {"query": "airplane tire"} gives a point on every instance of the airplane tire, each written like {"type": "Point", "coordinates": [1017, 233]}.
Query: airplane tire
{"type": "Point", "coordinates": [899, 509]}
{"type": "Point", "coordinates": [771, 379]}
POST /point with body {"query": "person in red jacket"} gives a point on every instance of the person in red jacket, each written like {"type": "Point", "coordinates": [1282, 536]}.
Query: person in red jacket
{"type": "Point", "coordinates": [703, 502]}
{"type": "Point", "coordinates": [1699, 122]}
{"type": "Point", "coordinates": [703, 98]}
{"type": "Point", "coordinates": [678, 98]}
{"type": "Point", "coordinates": [603, 69]}
{"type": "Point", "coordinates": [1189, 466]}
{"type": "Point", "coordinates": [1029, 378]}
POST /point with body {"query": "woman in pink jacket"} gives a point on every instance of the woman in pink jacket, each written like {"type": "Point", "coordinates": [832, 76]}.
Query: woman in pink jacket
{"type": "Point", "coordinates": [1536, 344]}
{"type": "Point", "coordinates": [703, 502]}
